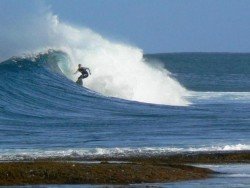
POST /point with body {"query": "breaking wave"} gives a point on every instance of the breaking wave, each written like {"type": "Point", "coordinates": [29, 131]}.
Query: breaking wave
{"type": "Point", "coordinates": [118, 69]}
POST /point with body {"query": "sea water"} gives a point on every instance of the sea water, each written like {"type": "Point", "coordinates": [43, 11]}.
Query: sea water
{"type": "Point", "coordinates": [45, 114]}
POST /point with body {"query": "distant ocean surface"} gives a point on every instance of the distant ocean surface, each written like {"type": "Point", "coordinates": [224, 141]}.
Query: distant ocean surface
{"type": "Point", "coordinates": [43, 113]}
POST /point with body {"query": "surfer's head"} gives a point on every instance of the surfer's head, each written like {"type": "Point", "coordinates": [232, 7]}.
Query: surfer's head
{"type": "Point", "coordinates": [79, 65]}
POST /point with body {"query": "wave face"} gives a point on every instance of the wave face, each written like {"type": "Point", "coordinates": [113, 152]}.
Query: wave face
{"type": "Point", "coordinates": [118, 69]}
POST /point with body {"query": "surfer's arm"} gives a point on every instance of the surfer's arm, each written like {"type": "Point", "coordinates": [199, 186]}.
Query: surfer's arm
{"type": "Point", "coordinates": [88, 70]}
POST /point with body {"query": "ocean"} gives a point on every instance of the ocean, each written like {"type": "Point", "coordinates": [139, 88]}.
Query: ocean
{"type": "Point", "coordinates": [161, 104]}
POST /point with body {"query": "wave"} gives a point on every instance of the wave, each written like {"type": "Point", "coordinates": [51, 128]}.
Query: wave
{"type": "Point", "coordinates": [27, 154]}
{"type": "Point", "coordinates": [118, 70]}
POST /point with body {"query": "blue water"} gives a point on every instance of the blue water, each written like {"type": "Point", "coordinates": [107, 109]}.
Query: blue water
{"type": "Point", "coordinates": [45, 114]}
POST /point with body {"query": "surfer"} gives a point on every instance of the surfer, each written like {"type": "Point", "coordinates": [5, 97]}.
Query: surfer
{"type": "Point", "coordinates": [84, 72]}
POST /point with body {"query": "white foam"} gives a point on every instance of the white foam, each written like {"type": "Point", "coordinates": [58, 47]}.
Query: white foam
{"type": "Point", "coordinates": [21, 154]}
{"type": "Point", "coordinates": [219, 97]}
{"type": "Point", "coordinates": [118, 69]}
{"type": "Point", "coordinates": [239, 175]}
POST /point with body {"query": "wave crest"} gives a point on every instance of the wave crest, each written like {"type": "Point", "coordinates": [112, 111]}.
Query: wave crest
{"type": "Point", "coordinates": [118, 69]}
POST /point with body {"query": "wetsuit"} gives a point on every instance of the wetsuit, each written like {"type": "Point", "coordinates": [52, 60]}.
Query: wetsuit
{"type": "Point", "coordinates": [84, 72]}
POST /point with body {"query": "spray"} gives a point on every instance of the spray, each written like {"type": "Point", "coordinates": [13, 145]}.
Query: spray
{"type": "Point", "coordinates": [118, 70]}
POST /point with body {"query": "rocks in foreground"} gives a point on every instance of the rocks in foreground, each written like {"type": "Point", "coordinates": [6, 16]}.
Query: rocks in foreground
{"type": "Point", "coordinates": [51, 172]}
{"type": "Point", "coordinates": [137, 169]}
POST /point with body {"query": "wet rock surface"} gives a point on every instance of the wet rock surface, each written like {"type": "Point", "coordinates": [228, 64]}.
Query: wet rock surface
{"type": "Point", "coordinates": [125, 170]}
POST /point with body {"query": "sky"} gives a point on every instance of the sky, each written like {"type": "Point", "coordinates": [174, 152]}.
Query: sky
{"type": "Point", "coordinates": [159, 26]}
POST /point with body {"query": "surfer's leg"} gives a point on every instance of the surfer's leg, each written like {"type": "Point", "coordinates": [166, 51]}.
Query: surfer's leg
{"type": "Point", "coordinates": [79, 79]}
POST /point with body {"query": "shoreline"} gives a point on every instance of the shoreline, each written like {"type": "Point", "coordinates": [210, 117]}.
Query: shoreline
{"type": "Point", "coordinates": [116, 170]}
